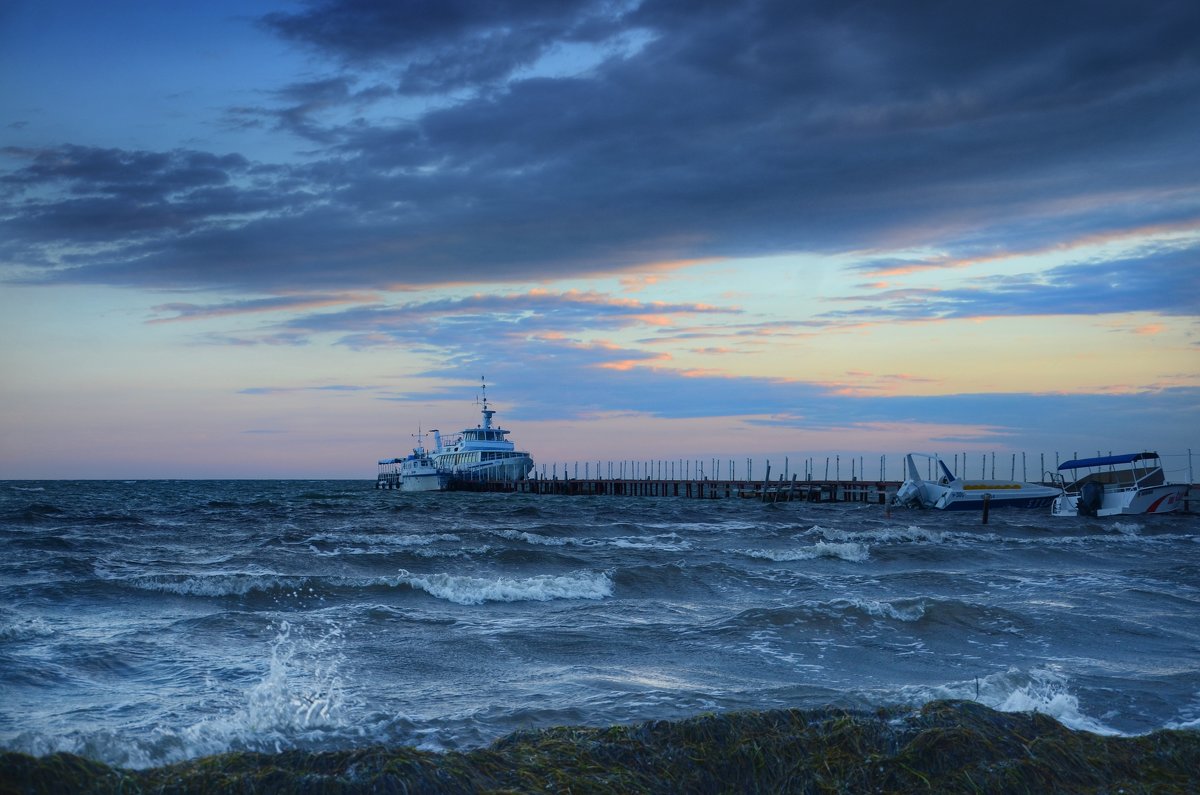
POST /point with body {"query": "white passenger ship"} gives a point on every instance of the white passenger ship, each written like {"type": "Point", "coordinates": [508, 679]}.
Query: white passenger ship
{"type": "Point", "coordinates": [480, 453]}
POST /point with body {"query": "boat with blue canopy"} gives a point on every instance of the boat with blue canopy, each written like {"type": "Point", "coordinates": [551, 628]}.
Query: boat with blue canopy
{"type": "Point", "coordinates": [1111, 485]}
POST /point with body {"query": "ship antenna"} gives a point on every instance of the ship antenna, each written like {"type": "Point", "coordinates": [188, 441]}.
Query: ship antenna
{"type": "Point", "coordinates": [487, 413]}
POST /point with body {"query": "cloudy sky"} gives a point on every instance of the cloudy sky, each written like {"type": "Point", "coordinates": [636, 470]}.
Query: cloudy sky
{"type": "Point", "coordinates": [274, 239]}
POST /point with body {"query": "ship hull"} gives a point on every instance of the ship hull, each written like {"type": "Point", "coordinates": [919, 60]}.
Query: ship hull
{"type": "Point", "coordinates": [1156, 499]}
{"type": "Point", "coordinates": [515, 467]}
{"type": "Point", "coordinates": [425, 481]}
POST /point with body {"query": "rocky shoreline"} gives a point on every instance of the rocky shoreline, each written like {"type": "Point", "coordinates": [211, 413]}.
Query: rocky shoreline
{"type": "Point", "coordinates": [945, 746]}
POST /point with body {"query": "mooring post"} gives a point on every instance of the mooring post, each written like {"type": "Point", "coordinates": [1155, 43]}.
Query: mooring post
{"type": "Point", "coordinates": [987, 498]}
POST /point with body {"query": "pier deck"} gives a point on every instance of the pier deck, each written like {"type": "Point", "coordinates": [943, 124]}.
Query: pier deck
{"type": "Point", "coordinates": [767, 491]}
{"type": "Point", "coordinates": [869, 491]}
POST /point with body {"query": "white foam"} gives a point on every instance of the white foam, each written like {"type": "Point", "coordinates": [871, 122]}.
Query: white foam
{"type": "Point", "coordinates": [668, 542]}
{"type": "Point", "coordinates": [467, 590]}
{"type": "Point", "coordinates": [300, 696]}
{"type": "Point", "coordinates": [278, 702]}
{"type": "Point", "coordinates": [878, 609]}
{"type": "Point", "coordinates": [1189, 717]}
{"type": "Point", "coordinates": [1038, 690]}
{"type": "Point", "coordinates": [405, 540]}
{"type": "Point", "coordinates": [535, 538]}
{"type": "Point", "coordinates": [14, 628]}
{"type": "Point", "coordinates": [853, 552]}
{"type": "Point", "coordinates": [885, 535]}
{"type": "Point", "coordinates": [300, 699]}
{"type": "Point", "coordinates": [227, 584]}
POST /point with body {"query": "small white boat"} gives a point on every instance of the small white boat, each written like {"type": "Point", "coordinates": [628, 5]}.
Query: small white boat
{"type": "Point", "coordinates": [1117, 484]}
{"type": "Point", "coordinates": [952, 493]}
{"type": "Point", "coordinates": [414, 472]}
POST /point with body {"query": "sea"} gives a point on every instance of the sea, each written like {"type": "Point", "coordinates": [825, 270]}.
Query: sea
{"type": "Point", "coordinates": [149, 622]}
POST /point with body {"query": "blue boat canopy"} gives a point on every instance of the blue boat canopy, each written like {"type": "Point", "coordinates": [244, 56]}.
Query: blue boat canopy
{"type": "Point", "coordinates": [1127, 458]}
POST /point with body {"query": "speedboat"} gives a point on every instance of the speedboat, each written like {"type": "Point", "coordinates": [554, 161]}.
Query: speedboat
{"type": "Point", "coordinates": [952, 493]}
{"type": "Point", "coordinates": [1117, 484]}
{"type": "Point", "coordinates": [480, 453]}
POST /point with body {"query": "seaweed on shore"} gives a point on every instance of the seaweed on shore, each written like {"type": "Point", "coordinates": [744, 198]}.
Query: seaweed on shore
{"type": "Point", "coordinates": [947, 746]}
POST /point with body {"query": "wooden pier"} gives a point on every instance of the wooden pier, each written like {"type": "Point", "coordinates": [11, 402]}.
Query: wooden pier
{"type": "Point", "coordinates": [765, 491]}
{"type": "Point", "coordinates": [869, 491]}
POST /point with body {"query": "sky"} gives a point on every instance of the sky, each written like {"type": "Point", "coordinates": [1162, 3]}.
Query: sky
{"type": "Point", "coordinates": [277, 239]}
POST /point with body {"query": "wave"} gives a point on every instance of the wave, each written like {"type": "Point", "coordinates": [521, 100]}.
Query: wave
{"type": "Point", "coordinates": [461, 589]}
{"type": "Point", "coordinates": [907, 610]}
{"type": "Point", "coordinates": [1041, 690]}
{"type": "Point", "coordinates": [14, 627]}
{"type": "Point", "coordinates": [832, 612]}
{"type": "Point", "coordinates": [468, 590]}
{"type": "Point", "coordinates": [1189, 716]}
{"type": "Point", "coordinates": [535, 538]}
{"type": "Point", "coordinates": [223, 584]}
{"type": "Point", "coordinates": [885, 535]}
{"type": "Point", "coordinates": [299, 702]}
{"type": "Point", "coordinates": [853, 552]}
{"type": "Point", "coordinates": [666, 542]}
{"type": "Point", "coordinates": [35, 512]}
{"type": "Point", "coordinates": [405, 540]}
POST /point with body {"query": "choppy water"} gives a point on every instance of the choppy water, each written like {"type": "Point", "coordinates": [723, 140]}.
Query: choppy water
{"type": "Point", "coordinates": [147, 622]}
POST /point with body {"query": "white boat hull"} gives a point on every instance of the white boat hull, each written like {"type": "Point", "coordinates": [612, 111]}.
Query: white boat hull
{"type": "Point", "coordinates": [959, 496]}
{"type": "Point", "coordinates": [510, 468]}
{"type": "Point", "coordinates": [425, 481]}
{"type": "Point", "coordinates": [956, 494]}
{"type": "Point", "coordinates": [1153, 499]}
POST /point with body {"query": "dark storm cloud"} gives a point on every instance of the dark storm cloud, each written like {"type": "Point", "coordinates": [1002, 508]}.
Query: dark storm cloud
{"type": "Point", "coordinates": [694, 130]}
{"type": "Point", "coordinates": [443, 45]}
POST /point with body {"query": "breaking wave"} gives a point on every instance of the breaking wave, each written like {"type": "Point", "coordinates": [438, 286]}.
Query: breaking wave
{"type": "Point", "coordinates": [468, 590]}
{"type": "Point", "coordinates": [853, 552]}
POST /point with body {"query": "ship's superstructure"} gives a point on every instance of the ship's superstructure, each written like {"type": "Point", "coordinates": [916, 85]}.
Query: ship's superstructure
{"type": "Point", "coordinates": [482, 452]}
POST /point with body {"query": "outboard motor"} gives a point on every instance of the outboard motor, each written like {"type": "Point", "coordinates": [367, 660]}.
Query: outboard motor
{"type": "Point", "coordinates": [908, 495]}
{"type": "Point", "coordinates": [1091, 496]}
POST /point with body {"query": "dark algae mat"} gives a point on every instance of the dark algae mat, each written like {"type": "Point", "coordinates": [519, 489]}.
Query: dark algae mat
{"type": "Point", "coordinates": [946, 746]}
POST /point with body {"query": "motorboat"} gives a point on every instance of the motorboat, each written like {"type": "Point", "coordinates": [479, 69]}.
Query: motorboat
{"type": "Point", "coordinates": [1131, 483]}
{"type": "Point", "coordinates": [480, 453]}
{"type": "Point", "coordinates": [948, 492]}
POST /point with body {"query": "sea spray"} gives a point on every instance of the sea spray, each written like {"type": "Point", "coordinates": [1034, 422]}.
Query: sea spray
{"type": "Point", "coordinates": [284, 700]}
{"type": "Point", "coordinates": [1043, 690]}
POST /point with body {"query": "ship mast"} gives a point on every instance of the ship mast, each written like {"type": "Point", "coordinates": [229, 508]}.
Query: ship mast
{"type": "Point", "coordinates": [487, 413]}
